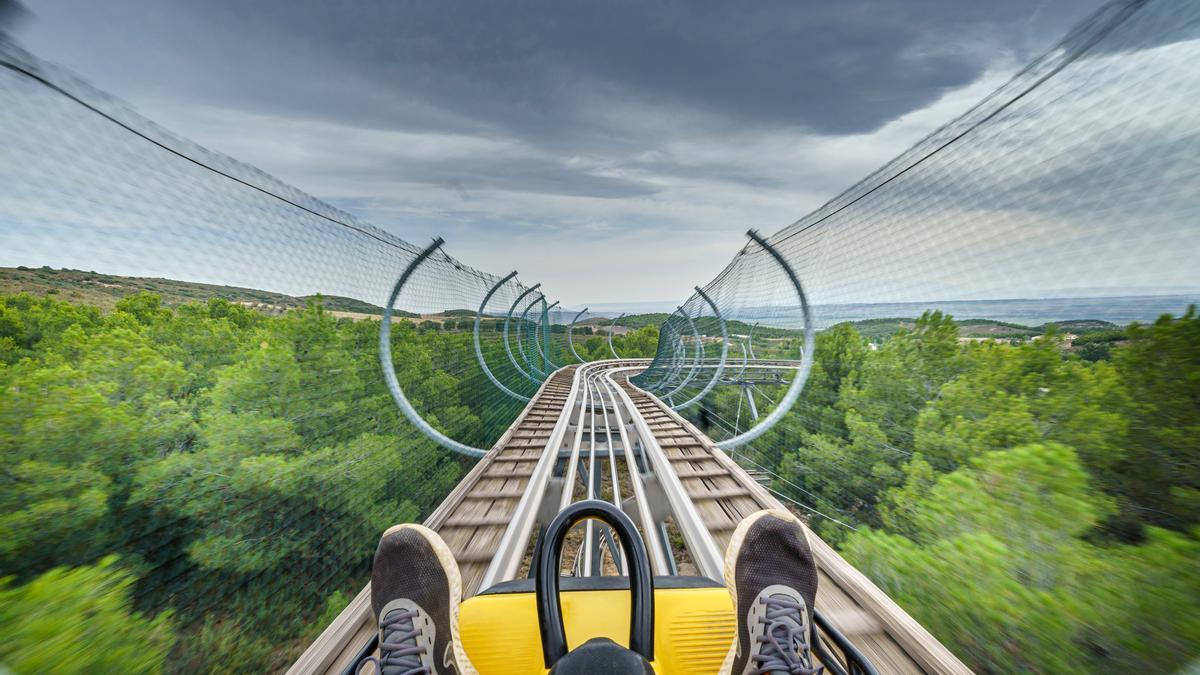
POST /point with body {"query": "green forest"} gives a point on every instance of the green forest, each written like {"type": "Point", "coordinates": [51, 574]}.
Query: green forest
{"type": "Point", "coordinates": [199, 488]}
{"type": "Point", "coordinates": [1037, 508]}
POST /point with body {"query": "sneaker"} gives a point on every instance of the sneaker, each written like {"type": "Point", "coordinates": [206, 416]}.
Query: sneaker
{"type": "Point", "coordinates": [415, 591]}
{"type": "Point", "coordinates": [770, 573]}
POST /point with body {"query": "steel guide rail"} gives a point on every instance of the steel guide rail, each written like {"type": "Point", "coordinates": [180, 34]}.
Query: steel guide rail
{"type": "Point", "coordinates": [585, 415]}
{"type": "Point", "coordinates": [850, 603]}
{"type": "Point", "coordinates": [471, 518]}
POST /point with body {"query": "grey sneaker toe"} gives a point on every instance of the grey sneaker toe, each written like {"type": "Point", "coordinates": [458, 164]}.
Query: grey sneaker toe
{"type": "Point", "coordinates": [416, 590]}
{"type": "Point", "coordinates": [772, 577]}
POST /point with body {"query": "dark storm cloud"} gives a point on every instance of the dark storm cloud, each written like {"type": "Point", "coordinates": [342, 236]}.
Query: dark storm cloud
{"type": "Point", "coordinates": [655, 131]}
{"type": "Point", "coordinates": [517, 175]}
{"type": "Point", "coordinates": [546, 70]}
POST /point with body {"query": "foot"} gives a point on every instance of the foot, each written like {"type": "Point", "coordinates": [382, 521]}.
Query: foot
{"type": "Point", "coordinates": [770, 573]}
{"type": "Point", "coordinates": [415, 591]}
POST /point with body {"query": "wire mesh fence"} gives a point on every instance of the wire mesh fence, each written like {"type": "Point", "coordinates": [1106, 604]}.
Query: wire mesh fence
{"type": "Point", "coordinates": [220, 452]}
{"type": "Point", "coordinates": [969, 306]}
{"type": "Point", "coordinates": [220, 449]}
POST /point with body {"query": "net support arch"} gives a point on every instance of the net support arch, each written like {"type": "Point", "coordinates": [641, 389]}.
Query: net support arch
{"type": "Point", "coordinates": [535, 372]}
{"type": "Point", "coordinates": [724, 352]}
{"type": "Point", "coordinates": [696, 362]}
{"type": "Point", "coordinates": [806, 353]}
{"type": "Point", "coordinates": [544, 349]}
{"type": "Point", "coordinates": [570, 330]}
{"type": "Point", "coordinates": [610, 335]}
{"type": "Point", "coordinates": [479, 350]}
{"type": "Point", "coordinates": [676, 359]}
{"type": "Point", "coordinates": [507, 321]}
{"type": "Point", "coordinates": [389, 368]}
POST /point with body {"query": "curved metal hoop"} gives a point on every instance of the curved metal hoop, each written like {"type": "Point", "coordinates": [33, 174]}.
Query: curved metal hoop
{"type": "Point", "coordinates": [610, 334]}
{"type": "Point", "coordinates": [570, 330]}
{"type": "Point", "coordinates": [507, 319]}
{"type": "Point", "coordinates": [389, 368]}
{"type": "Point", "coordinates": [533, 370]}
{"type": "Point", "coordinates": [696, 362]}
{"type": "Point", "coordinates": [479, 350]}
{"type": "Point", "coordinates": [806, 354]}
{"type": "Point", "coordinates": [745, 361]}
{"type": "Point", "coordinates": [544, 348]}
{"type": "Point", "coordinates": [724, 353]}
{"type": "Point", "coordinates": [676, 363]}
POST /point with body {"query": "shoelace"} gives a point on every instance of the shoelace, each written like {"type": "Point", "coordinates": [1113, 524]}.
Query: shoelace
{"type": "Point", "coordinates": [785, 644]}
{"type": "Point", "coordinates": [399, 647]}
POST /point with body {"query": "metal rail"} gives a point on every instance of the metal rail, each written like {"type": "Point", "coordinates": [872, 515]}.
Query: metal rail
{"type": "Point", "coordinates": [848, 602]}
{"type": "Point", "coordinates": [507, 558]}
{"type": "Point", "coordinates": [671, 472]}
{"type": "Point", "coordinates": [658, 558]}
{"type": "Point", "coordinates": [708, 558]}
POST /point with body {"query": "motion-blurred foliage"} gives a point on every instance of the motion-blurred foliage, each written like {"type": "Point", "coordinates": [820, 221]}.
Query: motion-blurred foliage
{"type": "Point", "coordinates": [240, 465]}
{"type": "Point", "coordinates": [1033, 505]}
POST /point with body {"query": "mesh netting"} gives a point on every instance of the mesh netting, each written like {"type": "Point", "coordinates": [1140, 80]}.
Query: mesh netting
{"type": "Point", "coordinates": [224, 449]}
{"type": "Point", "coordinates": [970, 308]}
{"type": "Point", "coordinates": [227, 435]}
{"type": "Point", "coordinates": [1069, 193]}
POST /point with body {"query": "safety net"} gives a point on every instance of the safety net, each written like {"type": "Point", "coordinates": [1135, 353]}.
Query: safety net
{"type": "Point", "coordinates": [196, 416]}
{"type": "Point", "coordinates": [217, 390]}
{"type": "Point", "coordinates": [979, 422]}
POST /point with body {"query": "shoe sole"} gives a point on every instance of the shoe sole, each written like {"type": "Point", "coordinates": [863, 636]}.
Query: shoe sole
{"type": "Point", "coordinates": [735, 545]}
{"type": "Point", "coordinates": [454, 581]}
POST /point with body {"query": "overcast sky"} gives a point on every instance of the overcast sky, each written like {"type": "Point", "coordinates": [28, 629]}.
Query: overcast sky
{"type": "Point", "coordinates": [610, 150]}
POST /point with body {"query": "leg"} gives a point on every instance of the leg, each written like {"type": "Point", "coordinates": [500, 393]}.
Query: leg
{"type": "Point", "coordinates": [770, 573]}
{"type": "Point", "coordinates": [415, 592]}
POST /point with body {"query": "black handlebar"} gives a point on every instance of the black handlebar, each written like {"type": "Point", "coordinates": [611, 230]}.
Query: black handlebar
{"type": "Point", "coordinates": [641, 582]}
